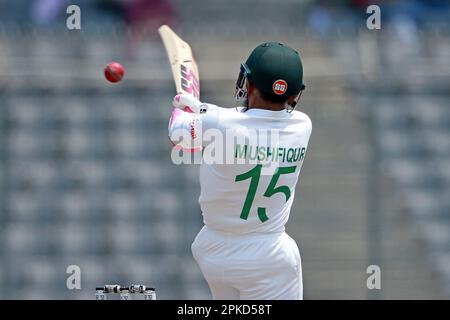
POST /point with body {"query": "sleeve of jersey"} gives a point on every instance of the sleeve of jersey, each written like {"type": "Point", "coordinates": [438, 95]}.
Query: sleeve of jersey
{"type": "Point", "coordinates": [186, 128]}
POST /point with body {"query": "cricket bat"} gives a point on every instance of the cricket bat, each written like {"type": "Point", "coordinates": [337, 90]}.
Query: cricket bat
{"type": "Point", "coordinates": [184, 68]}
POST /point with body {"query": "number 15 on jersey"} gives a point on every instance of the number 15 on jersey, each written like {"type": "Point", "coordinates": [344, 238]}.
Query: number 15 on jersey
{"type": "Point", "coordinates": [254, 175]}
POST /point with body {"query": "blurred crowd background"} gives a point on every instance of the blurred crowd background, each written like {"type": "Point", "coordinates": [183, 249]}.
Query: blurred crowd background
{"type": "Point", "coordinates": [85, 171]}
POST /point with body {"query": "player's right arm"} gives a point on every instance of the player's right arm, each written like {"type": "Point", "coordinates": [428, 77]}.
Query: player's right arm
{"type": "Point", "coordinates": [189, 119]}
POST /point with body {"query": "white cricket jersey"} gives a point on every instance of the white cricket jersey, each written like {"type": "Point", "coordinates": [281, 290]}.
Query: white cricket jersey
{"type": "Point", "coordinates": [254, 190]}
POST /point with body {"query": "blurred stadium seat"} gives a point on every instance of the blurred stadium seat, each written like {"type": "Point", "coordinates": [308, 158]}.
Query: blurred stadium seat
{"type": "Point", "coordinates": [91, 176]}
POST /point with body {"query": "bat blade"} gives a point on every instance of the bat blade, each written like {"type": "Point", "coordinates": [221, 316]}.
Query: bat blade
{"type": "Point", "coordinates": [184, 67]}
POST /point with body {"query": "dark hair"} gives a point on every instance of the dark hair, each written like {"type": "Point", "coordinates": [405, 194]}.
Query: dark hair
{"type": "Point", "coordinates": [273, 98]}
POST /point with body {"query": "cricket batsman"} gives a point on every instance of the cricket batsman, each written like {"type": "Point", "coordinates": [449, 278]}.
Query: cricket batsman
{"type": "Point", "coordinates": [243, 250]}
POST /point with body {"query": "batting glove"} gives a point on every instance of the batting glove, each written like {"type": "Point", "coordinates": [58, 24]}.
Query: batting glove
{"type": "Point", "coordinates": [189, 103]}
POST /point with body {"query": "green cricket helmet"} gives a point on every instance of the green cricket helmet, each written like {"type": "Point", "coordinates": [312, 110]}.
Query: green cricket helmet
{"type": "Point", "coordinates": [275, 69]}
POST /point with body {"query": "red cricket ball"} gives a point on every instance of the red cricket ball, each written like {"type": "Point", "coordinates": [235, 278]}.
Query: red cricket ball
{"type": "Point", "coordinates": [114, 72]}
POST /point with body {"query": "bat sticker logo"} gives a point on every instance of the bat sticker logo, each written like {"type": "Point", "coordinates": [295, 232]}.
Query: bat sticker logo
{"type": "Point", "coordinates": [189, 82]}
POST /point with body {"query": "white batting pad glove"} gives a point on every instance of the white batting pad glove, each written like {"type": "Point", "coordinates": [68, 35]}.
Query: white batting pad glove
{"type": "Point", "coordinates": [189, 103]}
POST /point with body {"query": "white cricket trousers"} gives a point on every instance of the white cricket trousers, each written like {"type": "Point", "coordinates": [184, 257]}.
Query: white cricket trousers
{"type": "Point", "coordinates": [262, 266]}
